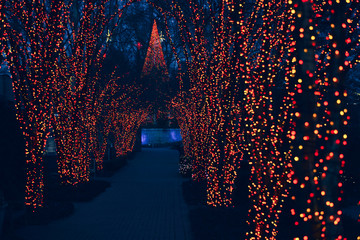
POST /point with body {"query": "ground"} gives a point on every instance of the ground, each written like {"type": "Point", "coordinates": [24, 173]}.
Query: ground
{"type": "Point", "coordinates": [144, 202]}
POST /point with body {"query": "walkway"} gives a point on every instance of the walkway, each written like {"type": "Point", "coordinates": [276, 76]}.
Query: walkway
{"type": "Point", "coordinates": [144, 202]}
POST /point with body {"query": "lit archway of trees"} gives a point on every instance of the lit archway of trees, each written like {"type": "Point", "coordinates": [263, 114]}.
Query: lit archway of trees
{"type": "Point", "coordinates": [247, 71]}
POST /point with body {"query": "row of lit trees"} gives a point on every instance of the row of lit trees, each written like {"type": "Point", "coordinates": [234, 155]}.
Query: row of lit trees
{"type": "Point", "coordinates": [55, 50]}
{"type": "Point", "coordinates": [254, 72]}
{"type": "Point", "coordinates": [205, 108]}
{"type": "Point", "coordinates": [233, 68]}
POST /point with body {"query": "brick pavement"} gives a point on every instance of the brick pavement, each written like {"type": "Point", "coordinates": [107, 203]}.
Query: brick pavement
{"type": "Point", "coordinates": [144, 202]}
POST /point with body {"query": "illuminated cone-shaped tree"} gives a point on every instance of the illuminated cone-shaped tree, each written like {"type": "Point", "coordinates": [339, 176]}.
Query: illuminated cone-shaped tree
{"type": "Point", "coordinates": [325, 51]}
{"type": "Point", "coordinates": [33, 33]}
{"type": "Point", "coordinates": [155, 57]}
{"type": "Point", "coordinates": [155, 76]}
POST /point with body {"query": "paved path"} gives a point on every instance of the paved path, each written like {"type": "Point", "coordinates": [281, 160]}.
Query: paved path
{"type": "Point", "coordinates": [144, 202]}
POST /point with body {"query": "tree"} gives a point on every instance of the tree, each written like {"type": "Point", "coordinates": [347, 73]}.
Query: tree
{"type": "Point", "coordinates": [79, 86]}
{"type": "Point", "coordinates": [211, 114]}
{"type": "Point", "coordinates": [263, 67]}
{"type": "Point", "coordinates": [32, 40]}
{"type": "Point", "coordinates": [326, 50]}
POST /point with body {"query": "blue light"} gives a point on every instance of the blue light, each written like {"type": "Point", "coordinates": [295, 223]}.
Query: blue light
{"type": "Point", "coordinates": [175, 135]}
{"type": "Point", "coordinates": [144, 139]}
{"type": "Point", "coordinates": [156, 136]}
